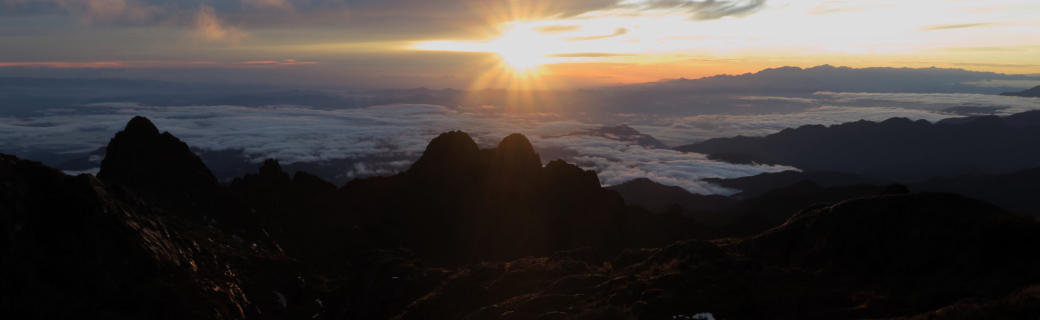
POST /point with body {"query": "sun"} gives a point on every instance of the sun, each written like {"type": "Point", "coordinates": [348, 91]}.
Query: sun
{"type": "Point", "coordinates": [522, 50]}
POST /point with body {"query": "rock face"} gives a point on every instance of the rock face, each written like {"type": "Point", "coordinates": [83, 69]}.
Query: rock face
{"type": "Point", "coordinates": [73, 246]}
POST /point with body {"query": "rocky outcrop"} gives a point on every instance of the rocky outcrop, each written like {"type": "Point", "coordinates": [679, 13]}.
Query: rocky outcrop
{"type": "Point", "coordinates": [74, 246]}
{"type": "Point", "coordinates": [161, 169]}
{"type": "Point", "coordinates": [458, 203]}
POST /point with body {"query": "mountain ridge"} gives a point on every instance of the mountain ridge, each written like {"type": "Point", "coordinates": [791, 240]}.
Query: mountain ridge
{"type": "Point", "coordinates": [896, 148]}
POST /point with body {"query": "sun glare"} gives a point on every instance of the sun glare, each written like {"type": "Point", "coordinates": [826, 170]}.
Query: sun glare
{"type": "Point", "coordinates": [522, 50]}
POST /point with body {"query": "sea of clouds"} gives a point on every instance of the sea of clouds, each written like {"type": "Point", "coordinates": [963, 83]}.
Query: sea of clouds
{"type": "Point", "coordinates": [385, 139]}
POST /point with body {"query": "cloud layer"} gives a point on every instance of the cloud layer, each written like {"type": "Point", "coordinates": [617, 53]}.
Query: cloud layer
{"type": "Point", "coordinates": [828, 108]}
{"type": "Point", "coordinates": [394, 135]}
{"type": "Point", "coordinates": [382, 140]}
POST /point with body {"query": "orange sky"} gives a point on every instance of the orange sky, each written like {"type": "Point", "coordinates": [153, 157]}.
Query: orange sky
{"type": "Point", "coordinates": [503, 43]}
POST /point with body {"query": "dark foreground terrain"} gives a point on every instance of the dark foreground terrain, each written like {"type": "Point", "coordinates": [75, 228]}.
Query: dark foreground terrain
{"type": "Point", "coordinates": [470, 233]}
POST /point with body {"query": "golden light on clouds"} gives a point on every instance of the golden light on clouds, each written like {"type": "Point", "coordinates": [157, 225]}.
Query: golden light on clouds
{"type": "Point", "coordinates": [802, 33]}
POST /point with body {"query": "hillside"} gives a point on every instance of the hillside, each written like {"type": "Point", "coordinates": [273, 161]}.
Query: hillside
{"type": "Point", "coordinates": [897, 148]}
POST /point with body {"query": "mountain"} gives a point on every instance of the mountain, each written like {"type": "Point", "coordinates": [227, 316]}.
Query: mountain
{"type": "Point", "coordinates": [795, 80]}
{"type": "Point", "coordinates": [759, 184]}
{"type": "Point", "coordinates": [872, 257]}
{"type": "Point", "coordinates": [1013, 191]}
{"type": "Point", "coordinates": [626, 134]}
{"type": "Point", "coordinates": [493, 204]}
{"type": "Point", "coordinates": [657, 197]}
{"type": "Point", "coordinates": [75, 246]}
{"type": "Point", "coordinates": [897, 148]}
{"type": "Point", "coordinates": [1032, 92]}
{"type": "Point", "coordinates": [479, 233]}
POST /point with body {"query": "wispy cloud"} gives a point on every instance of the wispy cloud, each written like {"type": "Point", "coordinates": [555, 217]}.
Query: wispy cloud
{"type": "Point", "coordinates": [708, 9]}
{"type": "Point", "coordinates": [208, 27]}
{"type": "Point", "coordinates": [557, 29]}
{"type": "Point", "coordinates": [155, 64]}
{"type": "Point", "coordinates": [617, 32]}
{"type": "Point", "coordinates": [956, 26]}
{"type": "Point", "coordinates": [92, 10]}
{"type": "Point", "coordinates": [828, 7]}
{"type": "Point", "coordinates": [269, 4]}
{"type": "Point", "coordinates": [588, 55]}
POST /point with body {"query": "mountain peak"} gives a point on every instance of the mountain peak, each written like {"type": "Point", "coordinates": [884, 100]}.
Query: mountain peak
{"type": "Point", "coordinates": [516, 143]}
{"type": "Point", "coordinates": [141, 126]}
{"type": "Point", "coordinates": [453, 149]}
{"type": "Point", "coordinates": [516, 154]}
{"type": "Point", "coordinates": [155, 164]}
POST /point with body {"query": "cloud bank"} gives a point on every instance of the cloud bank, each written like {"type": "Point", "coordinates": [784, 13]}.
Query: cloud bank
{"type": "Point", "coordinates": [383, 139]}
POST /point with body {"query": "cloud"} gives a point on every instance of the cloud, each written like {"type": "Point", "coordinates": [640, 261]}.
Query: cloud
{"type": "Point", "coordinates": [617, 32]}
{"type": "Point", "coordinates": [91, 10]}
{"type": "Point", "coordinates": [588, 55]}
{"type": "Point", "coordinates": [690, 129]}
{"type": "Point", "coordinates": [935, 101]}
{"type": "Point", "coordinates": [955, 26]}
{"type": "Point", "coordinates": [708, 9]}
{"type": "Point", "coordinates": [828, 108]}
{"type": "Point", "coordinates": [269, 4]}
{"type": "Point", "coordinates": [155, 64]}
{"type": "Point", "coordinates": [208, 27]}
{"type": "Point", "coordinates": [828, 7]}
{"type": "Point", "coordinates": [557, 29]}
{"type": "Point", "coordinates": [383, 139]}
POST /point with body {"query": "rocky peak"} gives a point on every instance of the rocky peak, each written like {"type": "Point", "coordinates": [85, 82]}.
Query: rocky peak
{"type": "Point", "coordinates": [158, 167]}
{"type": "Point", "coordinates": [272, 171]}
{"type": "Point", "coordinates": [141, 126]}
{"type": "Point", "coordinates": [559, 172]}
{"type": "Point", "coordinates": [451, 152]}
{"type": "Point", "coordinates": [515, 155]}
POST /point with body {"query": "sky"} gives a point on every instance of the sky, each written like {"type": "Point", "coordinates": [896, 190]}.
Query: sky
{"type": "Point", "coordinates": [521, 44]}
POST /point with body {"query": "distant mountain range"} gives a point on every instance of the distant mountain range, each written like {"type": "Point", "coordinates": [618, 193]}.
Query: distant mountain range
{"type": "Point", "coordinates": [897, 149]}
{"type": "Point", "coordinates": [697, 96]}
{"type": "Point", "coordinates": [795, 80]}
{"type": "Point", "coordinates": [1033, 92]}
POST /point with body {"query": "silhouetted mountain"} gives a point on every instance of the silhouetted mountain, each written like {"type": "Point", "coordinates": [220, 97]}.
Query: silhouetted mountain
{"type": "Point", "coordinates": [483, 233]}
{"type": "Point", "coordinates": [1013, 191]}
{"type": "Point", "coordinates": [839, 261]}
{"type": "Point", "coordinates": [896, 148]}
{"type": "Point", "coordinates": [773, 199]}
{"type": "Point", "coordinates": [1032, 92]}
{"type": "Point", "coordinates": [162, 169]}
{"type": "Point", "coordinates": [74, 246]}
{"type": "Point", "coordinates": [772, 208]}
{"type": "Point", "coordinates": [756, 185]}
{"type": "Point", "coordinates": [461, 203]}
{"type": "Point", "coordinates": [657, 197]}
{"type": "Point", "coordinates": [626, 134]}
{"type": "Point", "coordinates": [795, 80]}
